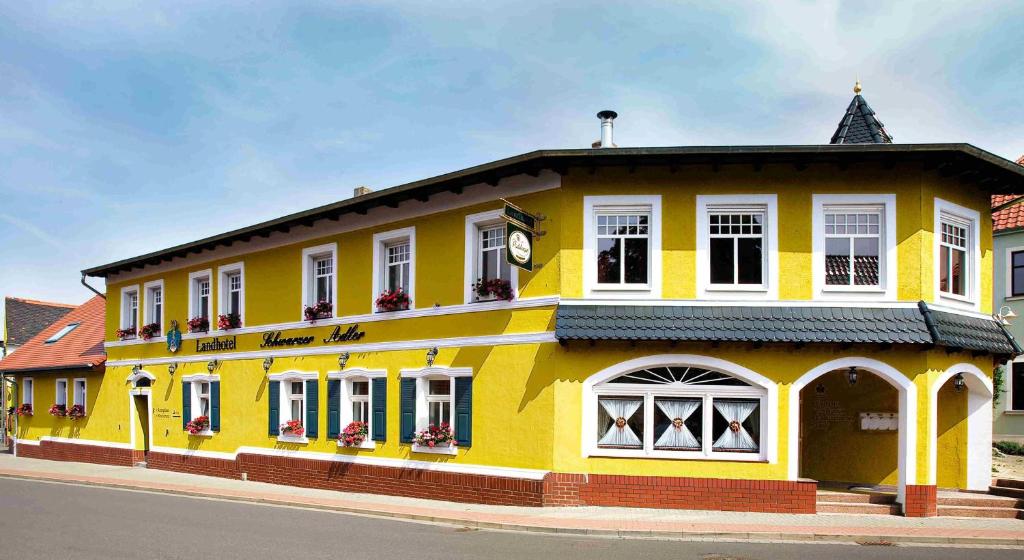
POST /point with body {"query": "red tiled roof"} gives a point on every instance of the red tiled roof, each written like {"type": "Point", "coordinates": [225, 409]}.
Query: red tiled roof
{"type": "Point", "coordinates": [82, 347]}
{"type": "Point", "coordinates": [1010, 217]}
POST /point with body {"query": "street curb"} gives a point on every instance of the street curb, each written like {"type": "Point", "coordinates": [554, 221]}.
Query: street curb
{"type": "Point", "coordinates": [781, 536]}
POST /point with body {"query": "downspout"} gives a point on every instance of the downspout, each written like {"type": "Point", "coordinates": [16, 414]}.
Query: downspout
{"type": "Point", "coordinates": [94, 290]}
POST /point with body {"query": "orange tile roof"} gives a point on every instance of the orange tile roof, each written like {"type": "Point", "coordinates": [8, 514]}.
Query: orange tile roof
{"type": "Point", "coordinates": [82, 347]}
{"type": "Point", "coordinates": [1012, 216]}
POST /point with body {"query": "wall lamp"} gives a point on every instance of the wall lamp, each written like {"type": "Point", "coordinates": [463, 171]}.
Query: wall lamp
{"type": "Point", "coordinates": [343, 359]}
{"type": "Point", "coordinates": [211, 365]}
{"type": "Point", "coordinates": [852, 375]}
{"type": "Point", "coordinates": [1004, 315]}
{"type": "Point", "coordinates": [959, 383]}
{"type": "Point", "coordinates": [431, 354]}
{"type": "Point", "coordinates": [136, 369]}
{"type": "Point", "coordinates": [267, 362]}
{"type": "Point", "coordinates": [172, 368]}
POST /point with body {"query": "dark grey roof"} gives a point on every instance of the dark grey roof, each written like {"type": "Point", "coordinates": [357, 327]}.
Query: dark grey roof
{"type": "Point", "coordinates": [849, 325]}
{"type": "Point", "coordinates": [25, 318]}
{"type": "Point", "coordinates": [860, 126]}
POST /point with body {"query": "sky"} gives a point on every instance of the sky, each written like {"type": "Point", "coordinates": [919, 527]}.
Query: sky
{"type": "Point", "coordinates": [128, 127]}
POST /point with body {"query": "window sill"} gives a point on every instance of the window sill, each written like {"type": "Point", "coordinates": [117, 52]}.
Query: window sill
{"type": "Point", "coordinates": [1014, 298]}
{"type": "Point", "coordinates": [368, 444]}
{"type": "Point", "coordinates": [205, 433]}
{"type": "Point", "coordinates": [449, 450]}
{"type": "Point", "coordinates": [953, 298]}
{"type": "Point", "coordinates": [736, 288]}
{"type": "Point", "coordinates": [621, 288]}
{"type": "Point", "coordinates": [852, 289]}
{"type": "Point", "coordinates": [292, 439]}
{"type": "Point", "coordinates": [678, 455]}
{"type": "Point", "coordinates": [1014, 412]}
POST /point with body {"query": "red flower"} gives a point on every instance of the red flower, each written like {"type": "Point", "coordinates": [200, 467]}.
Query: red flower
{"type": "Point", "coordinates": [59, 410]}
{"type": "Point", "coordinates": [198, 424]}
{"type": "Point", "coordinates": [495, 287]}
{"type": "Point", "coordinates": [24, 409]}
{"type": "Point", "coordinates": [353, 435]}
{"type": "Point", "coordinates": [293, 428]}
{"type": "Point", "coordinates": [149, 331]}
{"type": "Point", "coordinates": [198, 324]}
{"type": "Point", "coordinates": [76, 411]}
{"type": "Point", "coordinates": [393, 300]}
{"type": "Point", "coordinates": [229, 321]}
{"type": "Point", "coordinates": [320, 310]}
{"type": "Point", "coordinates": [122, 334]}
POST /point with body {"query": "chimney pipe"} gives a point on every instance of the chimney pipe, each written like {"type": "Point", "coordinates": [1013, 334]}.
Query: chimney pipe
{"type": "Point", "coordinates": [607, 117]}
{"type": "Point", "coordinates": [361, 190]}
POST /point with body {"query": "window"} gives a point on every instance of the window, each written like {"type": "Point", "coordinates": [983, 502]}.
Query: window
{"type": "Point", "coordinates": [319, 265]}
{"type": "Point", "coordinates": [394, 263]}
{"type": "Point", "coordinates": [485, 257]}
{"type": "Point", "coordinates": [62, 392]}
{"type": "Point", "coordinates": [677, 411]}
{"type": "Point", "coordinates": [1016, 387]}
{"type": "Point", "coordinates": [130, 308]}
{"type": "Point", "coordinates": [154, 303]}
{"type": "Point", "coordinates": [202, 392]}
{"type": "Point", "coordinates": [957, 254]}
{"type": "Point", "coordinates": [28, 391]}
{"type": "Point", "coordinates": [439, 401]}
{"type": "Point", "coordinates": [79, 394]}
{"type": "Point", "coordinates": [622, 246]}
{"type": "Point", "coordinates": [200, 304]}
{"type": "Point", "coordinates": [852, 248]}
{"type": "Point", "coordinates": [396, 273]}
{"type": "Point", "coordinates": [359, 396]}
{"type": "Point", "coordinates": [1016, 264]}
{"type": "Point", "coordinates": [296, 397]}
{"type": "Point", "coordinates": [737, 254]}
{"type": "Point", "coordinates": [736, 248]}
{"type": "Point", "coordinates": [61, 333]}
{"type": "Point", "coordinates": [231, 291]}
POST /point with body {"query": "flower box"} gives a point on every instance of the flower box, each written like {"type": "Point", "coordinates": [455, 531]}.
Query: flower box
{"type": "Point", "coordinates": [320, 310]}
{"type": "Point", "coordinates": [198, 324]}
{"type": "Point", "coordinates": [493, 289]}
{"type": "Point", "coordinates": [59, 410]}
{"type": "Point", "coordinates": [76, 412]}
{"type": "Point", "coordinates": [435, 436]}
{"type": "Point", "coordinates": [392, 300]}
{"type": "Point", "coordinates": [147, 332]}
{"type": "Point", "coordinates": [353, 435]}
{"type": "Point", "coordinates": [123, 334]}
{"type": "Point", "coordinates": [24, 409]}
{"type": "Point", "coordinates": [229, 321]}
{"type": "Point", "coordinates": [198, 425]}
{"type": "Point", "coordinates": [293, 428]}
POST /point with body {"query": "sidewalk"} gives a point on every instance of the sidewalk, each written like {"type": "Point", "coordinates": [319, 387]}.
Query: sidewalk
{"type": "Point", "coordinates": [620, 522]}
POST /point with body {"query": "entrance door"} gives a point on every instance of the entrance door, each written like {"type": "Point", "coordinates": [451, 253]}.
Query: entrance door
{"type": "Point", "coordinates": [142, 407]}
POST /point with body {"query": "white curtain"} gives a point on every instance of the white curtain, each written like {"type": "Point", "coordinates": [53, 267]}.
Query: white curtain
{"type": "Point", "coordinates": [620, 408]}
{"type": "Point", "coordinates": [736, 412]}
{"type": "Point", "coordinates": [680, 436]}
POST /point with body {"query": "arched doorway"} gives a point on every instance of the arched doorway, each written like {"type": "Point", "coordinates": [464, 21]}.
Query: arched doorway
{"type": "Point", "coordinates": [847, 428]}
{"type": "Point", "coordinates": [960, 418]}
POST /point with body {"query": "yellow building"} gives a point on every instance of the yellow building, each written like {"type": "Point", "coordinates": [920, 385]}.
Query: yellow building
{"type": "Point", "coordinates": [703, 327]}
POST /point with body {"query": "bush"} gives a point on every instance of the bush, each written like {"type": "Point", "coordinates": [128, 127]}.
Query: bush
{"type": "Point", "coordinates": [1009, 447]}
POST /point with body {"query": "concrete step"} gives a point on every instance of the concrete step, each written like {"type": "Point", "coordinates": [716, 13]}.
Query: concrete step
{"type": "Point", "coordinates": [980, 500]}
{"type": "Point", "coordinates": [1007, 491]}
{"type": "Point", "coordinates": [858, 508]}
{"type": "Point", "coordinates": [1009, 483]}
{"type": "Point", "coordinates": [856, 497]}
{"type": "Point", "coordinates": [988, 512]}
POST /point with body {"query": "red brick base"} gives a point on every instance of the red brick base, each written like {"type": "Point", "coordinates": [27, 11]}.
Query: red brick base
{"type": "Point", "coordinates": [921, 501]}
{"type": "Point", "coordinates": [61, 451]}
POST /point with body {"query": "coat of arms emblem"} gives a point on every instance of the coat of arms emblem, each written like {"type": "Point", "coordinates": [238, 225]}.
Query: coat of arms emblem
{"type": "Point", "coordinates": [173, 337]}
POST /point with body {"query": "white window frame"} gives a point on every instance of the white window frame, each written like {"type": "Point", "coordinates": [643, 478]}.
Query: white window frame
{"type": "Point", "coordinates": [739, 203]}
{"type": "Point", "coordinates": [761, 388]}
{"type": "Point", "coordinates": [61, 395]}
{"type": "Point", "coordinates": [346, 377]}
{"type": "Point", "coordinates": [1008, 386]}
{"type": "Point", "coordinates": [309, 255]}
{"type": "Point", "coordinates": [28, 392]}
{"type": "Point", "coordinates": [971, 219]}
{"type": "Point", "coordinates": [423, 377]}
{"type": "Point", "coordinates": [885, 204]}
{"type": "Point", "coordinates": [380, 242]}
{"type": "Point", "coordinates": [148, 289]}
{"type": "Point", "coordinates": [193, 296]}
{"type": "Point", "coordinates": [85, 393]}
{"type": "Point", "coordinates": [125, 291]}
{"type": "Point", "coordinates": [194, 381]}
{"type": "Point", "coordinates": [474, 224]}
{"type": "Point", "coordinates": [594, 205]}
{"type": "Point", "coordinates": [285, 404]}
{"type": "Point", "coordinates": [1008, 260]}
{"type": "Point", "coordinates": [224, 289]}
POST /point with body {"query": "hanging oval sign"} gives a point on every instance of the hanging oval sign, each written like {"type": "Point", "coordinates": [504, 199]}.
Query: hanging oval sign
{"type": "Point", "coordinates": [519, 245]}
{"type": "Point", "coordinates": [173, 338]}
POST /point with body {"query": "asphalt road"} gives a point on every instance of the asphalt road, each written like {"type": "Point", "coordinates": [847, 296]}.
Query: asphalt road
{"type": "Point", "coordinates": [56, 521]}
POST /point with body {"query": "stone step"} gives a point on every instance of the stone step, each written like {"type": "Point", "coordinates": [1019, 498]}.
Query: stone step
{"type": "Point", "coordinates": [980, 500]}
{"type": "Point", "coordinates": [988, 512]}
{"type": "Point", "coordinates": [1009, 483]}
{"type": "Point", "coordinates": [856, 498]}
{"type": "Point", "coordinates": [1007, 491]}
{"type": "Point", "coordinates": [858, 508]}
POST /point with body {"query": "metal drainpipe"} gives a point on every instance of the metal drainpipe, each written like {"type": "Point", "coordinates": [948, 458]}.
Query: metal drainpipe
{"type": "Point", "coordinates": [93, 290]}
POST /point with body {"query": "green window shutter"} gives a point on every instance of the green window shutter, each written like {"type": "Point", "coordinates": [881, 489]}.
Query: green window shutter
{"type": "Point", "coordinates": [464, 411]}
{"type": "Point", "coordinates": [407, 405]}
{"type": "Point", "coordinates": [215, 406]}
{"type": "Point", "coordinates": [312, 408]}
{"type": "Point", "coordinates": [186, 403]}
{"type": "Point", "coordinates": [274, 398]}
{"type": "Point", "coordinates": [333, 408]}
{"type": "Point", "coordinates": [379, 409]}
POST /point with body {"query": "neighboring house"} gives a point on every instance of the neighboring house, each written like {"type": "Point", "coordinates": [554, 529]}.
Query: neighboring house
{"type": "Point", "coordinates": [60, 365]}
{"type": "Point", "coordinates": [24, 318]}
{"type": "Point", "coordinates": [1008, 290]}
{"type": "Point", "coordinates": [705, 327]}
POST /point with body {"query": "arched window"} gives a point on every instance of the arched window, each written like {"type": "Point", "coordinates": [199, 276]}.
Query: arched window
{"type": "Point", "coordinates": [678, 411]}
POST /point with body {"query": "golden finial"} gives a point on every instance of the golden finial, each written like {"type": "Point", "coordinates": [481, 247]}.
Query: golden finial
{"type": "Point", "coordinates": [856, 87]}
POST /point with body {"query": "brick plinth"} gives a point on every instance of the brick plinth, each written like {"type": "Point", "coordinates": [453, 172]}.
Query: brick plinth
{"type": "Point", "coordinates": [81, 453]}
{"type": "Point", "coordinates": [224, 468]}
{"type": "Point", "coordinates": [921, 501]}
{"type": "Point", "coordinates": [563, 489]}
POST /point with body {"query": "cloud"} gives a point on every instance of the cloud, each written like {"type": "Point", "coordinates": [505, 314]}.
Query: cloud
{"type": "Point", "coordinates": [33, 230]}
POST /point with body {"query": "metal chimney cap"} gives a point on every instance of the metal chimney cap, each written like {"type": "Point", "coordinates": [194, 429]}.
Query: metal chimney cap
{"type": "Point", "coordinates": [607, 114]}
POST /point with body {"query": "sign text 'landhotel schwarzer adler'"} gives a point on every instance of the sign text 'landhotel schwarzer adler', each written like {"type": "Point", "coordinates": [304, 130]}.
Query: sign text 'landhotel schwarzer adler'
{"type": "Point", "coordinates": [275, 339]}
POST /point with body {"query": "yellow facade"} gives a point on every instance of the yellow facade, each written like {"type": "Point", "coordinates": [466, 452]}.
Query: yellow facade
{"type": "Point", "coordinates": [528, 397]}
